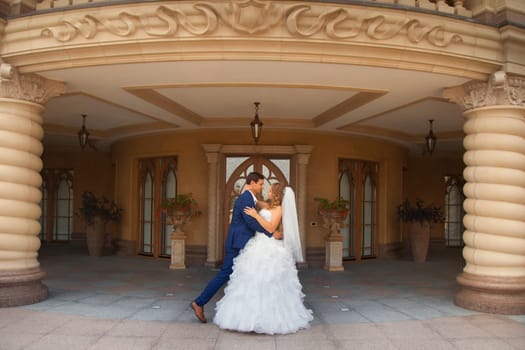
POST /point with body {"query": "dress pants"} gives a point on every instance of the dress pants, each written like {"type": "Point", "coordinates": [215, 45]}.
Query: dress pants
{"type": "Point", "coordinates": [220, 278]}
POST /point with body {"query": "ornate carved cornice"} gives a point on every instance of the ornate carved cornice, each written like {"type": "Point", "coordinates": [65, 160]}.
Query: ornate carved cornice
{"type": "Point", "coordinates": [28, 87]}
{"type": "Point", "coordinates": [253, 17]}
{"type": "Point", "coordinates": [501, 89]}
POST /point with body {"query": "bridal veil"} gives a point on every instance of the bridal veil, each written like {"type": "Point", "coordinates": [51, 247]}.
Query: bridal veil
{"type": "Point", "coordinates": [291, 238]}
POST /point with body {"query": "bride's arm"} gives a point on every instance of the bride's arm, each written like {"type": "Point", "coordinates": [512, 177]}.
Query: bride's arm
{"type": "Point", "coordinates": [269, 226]}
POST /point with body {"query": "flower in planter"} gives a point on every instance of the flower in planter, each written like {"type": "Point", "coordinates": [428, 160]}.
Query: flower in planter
{"type": "Point", "coordinates": [183, 204]}
{"type": "Point", "coordinates": [179, 210]}
{"type": "Point", "coordinates": [420, 212]}
{"type": "Point", "coordinates": [339, 204]}
{"type": "Point", "coordinates": [93, 206]}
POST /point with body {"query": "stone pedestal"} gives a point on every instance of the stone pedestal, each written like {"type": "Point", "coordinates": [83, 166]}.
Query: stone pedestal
{"type": "Point", "coordinates": [334, 220]}
{"type": "Point", "coordinates": [178, 219]}
{"type": "Point", "coordinates": [178, 251]}
{"type": "Point", "coordinates": [334, 255]}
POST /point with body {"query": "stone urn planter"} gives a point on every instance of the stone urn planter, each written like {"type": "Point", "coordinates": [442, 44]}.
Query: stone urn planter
{"type": "Point", "coordinates": [333, 221]}
{"type": "Point", "coordinates": [96, 213]}
{"type": "Point", "coordinates": [95, 236]}
{"type": "Point", "coordinates": [179, 211]}
{"type": "Point", "coordinates": [334, 215]}
{"type": "Point", "coordinates": [419, 236]}
{"type": "Point", "coordinates": [178, 219]}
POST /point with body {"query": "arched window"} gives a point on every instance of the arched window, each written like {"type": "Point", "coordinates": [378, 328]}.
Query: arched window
{"type": "Point", "coordinates": [148, 200]}
{"type": "Point", "coordinates": [158, 182]}
{"type": "Point", "coordinates": [43, 206]}
{"type": "Point", "coordinates": [347, 192]}
{"type": "Point", "coordinates": [369, 220]}
{"type": "Point", "coordinates": [454, 211]}
{"type": "Point", "coordinates": [169, 191]}
{"type": "Point", "coordinates": [63, 208]}
{"type": "Point", "coordinates": [57, 204]}
{"type": "Point", "coordinates": [358, 185]}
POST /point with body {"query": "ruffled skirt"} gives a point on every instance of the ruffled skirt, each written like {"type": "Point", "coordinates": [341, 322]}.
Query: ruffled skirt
{"type": "Point", "coordinates": [264, 294]}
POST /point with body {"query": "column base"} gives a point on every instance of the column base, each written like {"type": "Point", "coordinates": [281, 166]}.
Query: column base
{"type": "Point", "coordinates": [177, 266]}
{"type": "Point", "coordinates": [498, 295]}
{"type": "Point", "coordinates": [22, 287]}
{"type": "Point", "coordinates": [212, 264]}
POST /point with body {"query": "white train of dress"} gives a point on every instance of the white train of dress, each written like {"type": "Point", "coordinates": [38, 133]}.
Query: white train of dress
{"type": "Point", "coordinates": [264, 294]}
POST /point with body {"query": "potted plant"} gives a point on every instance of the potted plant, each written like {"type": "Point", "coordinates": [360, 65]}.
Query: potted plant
{"type": "Point", "coordinates": [96, 213]}
{"type": "Point", "coordinates": [337, 207]}
{"type": "Point", "coordinates": [180, 209]}
{"type": "Point", "coordinates": [420, 217]}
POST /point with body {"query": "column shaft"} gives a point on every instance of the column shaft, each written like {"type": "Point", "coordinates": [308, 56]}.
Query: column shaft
{"type": "Point", "coordinates": [493, 279]}
{"type": "Point", "coordinates": [214, 244]}
{"type": "Point", "coordinates": [20, 165]}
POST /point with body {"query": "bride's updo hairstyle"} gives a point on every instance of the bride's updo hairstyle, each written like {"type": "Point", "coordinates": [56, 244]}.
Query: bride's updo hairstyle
{"type": "Point", "coordinates": [278, 193]}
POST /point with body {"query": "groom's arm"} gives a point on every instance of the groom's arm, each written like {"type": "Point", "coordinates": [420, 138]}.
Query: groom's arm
{"type": "Point", "coordinates": [246, 201]}
{"type": "Point", "coordinates": [254, 225]}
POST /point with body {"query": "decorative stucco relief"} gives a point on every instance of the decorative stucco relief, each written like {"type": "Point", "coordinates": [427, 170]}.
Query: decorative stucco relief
{"type": "Point", "coordinates": [340, 23]}
{"type": "Point", "coordinates": [254, 17]}
{"type": "Point", "coordinates": [28, 87]}
{"type": "Point", "coordinates": [501, 89]}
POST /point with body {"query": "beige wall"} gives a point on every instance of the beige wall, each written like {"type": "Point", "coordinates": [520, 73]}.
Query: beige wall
{"type": "Point", "coordinates": [322, 173]}
{"type": "Point", "coordinates": [93, 172]}
{"type": "Point", "coordinates": [424, 178]}
{"type": "Point", "coordinates": [115, 176]}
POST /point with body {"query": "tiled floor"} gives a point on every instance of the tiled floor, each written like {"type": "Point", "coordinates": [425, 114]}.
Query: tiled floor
{"type": "Point", "coordinates": [115, 302]}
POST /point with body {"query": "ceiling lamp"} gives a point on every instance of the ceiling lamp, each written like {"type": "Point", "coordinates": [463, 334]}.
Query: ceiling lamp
{"type": "Point", "coordinates": [83, 134]}
{"type": "Point", "coordinates": [256, 124]}
{"type": "Point", "coordinates": [430, 139]}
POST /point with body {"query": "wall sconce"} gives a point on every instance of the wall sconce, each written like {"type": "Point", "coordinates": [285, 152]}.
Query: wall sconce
{"type": "Point", "coordinates": [256, 124]}
{"type": "Point", "coordinates": [83, 134]}
{"type": "Point", "coordinates": [430, 139]}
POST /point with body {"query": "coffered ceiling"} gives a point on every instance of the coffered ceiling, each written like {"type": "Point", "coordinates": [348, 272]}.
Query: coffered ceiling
{"type": "Point", "coordinates": [131, 99]}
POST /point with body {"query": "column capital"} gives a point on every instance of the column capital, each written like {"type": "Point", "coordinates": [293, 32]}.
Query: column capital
{"type": "Point", "coordinates": [28, 87]}
{"type": "Point", "coordinates": [501, 89]}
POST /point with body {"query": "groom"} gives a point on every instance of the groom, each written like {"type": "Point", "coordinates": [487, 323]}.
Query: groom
{"type": "Point", "coordinates": [242, 228]}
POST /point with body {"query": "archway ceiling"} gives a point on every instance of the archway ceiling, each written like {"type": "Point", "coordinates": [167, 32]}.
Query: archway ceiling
{"type": "Point", "coordinates": [131, 99]}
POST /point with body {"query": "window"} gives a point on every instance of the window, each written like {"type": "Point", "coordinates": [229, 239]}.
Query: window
{"type": "Point", "coordinates": [57, 205]}
{"type": "Point", "coordinates": [358, 185]}
{"type": "Point", "coordinates": [454, 211]}
{"type": "Point", "coordinates": [158, 181]}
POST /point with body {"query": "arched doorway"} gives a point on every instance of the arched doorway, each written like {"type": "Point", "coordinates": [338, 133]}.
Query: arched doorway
{"type": "Point", "coordinates": [237, 169]}
{"type": "Point", "coordinates": [226, 179]}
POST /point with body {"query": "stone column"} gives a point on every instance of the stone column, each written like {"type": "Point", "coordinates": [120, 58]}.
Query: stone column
{"type": "Point", "coordinates": [302, 158]}
{"type": "Point", "coordinates": [212, 154]}
{"type": "Point", "coordinates": [493, 279]}
{"type": "Point", "coordinates": [21, 104]}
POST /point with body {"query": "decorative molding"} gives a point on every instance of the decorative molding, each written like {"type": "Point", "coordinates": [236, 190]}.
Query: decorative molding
{"type": "Point", "coordinates": [254, 17]}
{"type": "Point", "coordinates": [28, 87]}
{"type": "Point", "coordinates": [501, 89]}
{"type": "Point", "coordinates": [352, 103]}
{"type": "Point", "coordinates": [167, 104]}
{"type": "Point", "coordinates": [377, 27]}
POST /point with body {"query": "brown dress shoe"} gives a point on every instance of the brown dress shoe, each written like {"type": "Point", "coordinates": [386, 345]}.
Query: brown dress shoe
{"type": "Point", "coordinates": [199, 312]}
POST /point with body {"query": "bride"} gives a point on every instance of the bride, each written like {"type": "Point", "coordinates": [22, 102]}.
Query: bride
{"type": "Point", "coordinates": [264, 294]}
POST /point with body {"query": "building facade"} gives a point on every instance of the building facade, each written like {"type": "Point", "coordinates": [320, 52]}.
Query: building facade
{"type": "Point", "coordinates": [347, 92]}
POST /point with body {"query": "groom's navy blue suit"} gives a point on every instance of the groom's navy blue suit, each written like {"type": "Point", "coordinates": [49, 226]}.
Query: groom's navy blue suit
{"type": "Point", "coordinates": [242, 228]}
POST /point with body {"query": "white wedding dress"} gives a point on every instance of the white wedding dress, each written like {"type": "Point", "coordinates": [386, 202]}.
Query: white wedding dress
{"type": "Point", "coordinates": [264, 294]}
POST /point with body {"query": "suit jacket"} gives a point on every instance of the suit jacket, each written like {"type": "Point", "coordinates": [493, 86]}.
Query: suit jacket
{"type": "Point", "coordinates": [243, 226]}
